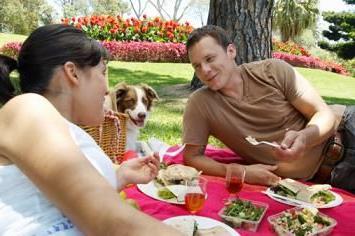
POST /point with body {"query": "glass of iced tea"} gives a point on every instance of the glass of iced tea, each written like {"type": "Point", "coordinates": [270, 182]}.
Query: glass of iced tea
{"type": "Point", "coordinates": [235, 175]}
{"type": "Point", "coordinates": [195, 194]}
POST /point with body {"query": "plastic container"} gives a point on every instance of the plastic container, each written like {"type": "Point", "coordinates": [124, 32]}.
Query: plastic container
{"type": "Point", "coordinates": [280, 230]}
{"type": "Point", "coordinates": [237, 222]}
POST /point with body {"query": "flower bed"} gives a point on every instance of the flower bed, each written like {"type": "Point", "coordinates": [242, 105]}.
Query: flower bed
{"type": "Point", "coordinates": [289, 48]}
{"type": "Point", "coordinates": [108, 28]}
{"type": "Point", "coordinates": [147, 51]}
{"type": "Point", "coordinates": [11, 49]}
{"type": "Point", "coordinates": [310, 62]}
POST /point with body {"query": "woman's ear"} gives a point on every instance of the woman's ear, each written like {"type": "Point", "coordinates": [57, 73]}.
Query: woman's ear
{"type": "Point", "coordinates": [71, 71]}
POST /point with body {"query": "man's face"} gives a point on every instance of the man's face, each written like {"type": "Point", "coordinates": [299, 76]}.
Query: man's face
{"type": "Point", "coordinates": [213, 65]}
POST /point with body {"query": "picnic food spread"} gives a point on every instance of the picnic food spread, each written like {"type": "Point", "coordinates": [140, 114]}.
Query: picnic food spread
{"type": "Point", "coordinates": [318, 194]}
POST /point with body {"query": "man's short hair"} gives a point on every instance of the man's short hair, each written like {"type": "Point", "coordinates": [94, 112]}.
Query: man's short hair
{"type": "Point", "coordinates": [219, 34]}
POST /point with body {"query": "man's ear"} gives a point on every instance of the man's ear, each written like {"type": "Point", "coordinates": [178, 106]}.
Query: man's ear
{"type": "Point", "coordinates": [70, 70]}
{"type": "Point", "coordinates": [232, 50]}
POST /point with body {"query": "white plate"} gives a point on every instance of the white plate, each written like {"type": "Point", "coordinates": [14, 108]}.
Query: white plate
{"type": "Point", "coordinates": [293, 202]}
{"type": "Point", "coordinates": [151, 190]}
{"type": "Point", "coordinates": [203, 223]}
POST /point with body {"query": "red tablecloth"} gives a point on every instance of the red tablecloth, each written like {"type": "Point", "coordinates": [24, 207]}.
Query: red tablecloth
{"type": "Point", "coordinates": [344, 214]}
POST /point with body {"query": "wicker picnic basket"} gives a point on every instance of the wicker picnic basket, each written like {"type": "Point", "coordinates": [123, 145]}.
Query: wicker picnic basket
{"type": "Point", "coordinates": [111, 136]}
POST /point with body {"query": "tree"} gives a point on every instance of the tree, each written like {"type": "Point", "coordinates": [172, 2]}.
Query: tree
{"type": "Point", "coordinates": [138, 10]}
{"type": "Point", "coordinates": [342, 27]}
{"type": "Point", "coordinates": [199, 8]}
{"type": "Point", "coordinates": [292, 17]}
{"type": "Point", "coordinates": [75, 8]}
{"type": "Point", "coordinates": [109, 7]}
{"type": "Point", "coordinates": [249, 24]}
{"type": "Point", "coordinates": [178, 9]}
{"type": "Point", "coordinates": [22, 16]}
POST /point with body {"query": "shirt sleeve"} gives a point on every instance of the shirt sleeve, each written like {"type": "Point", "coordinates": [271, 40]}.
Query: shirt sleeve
{"type": "Point", "coordinates": [284, 76]}
{"type": "Point", "coordinates": [195, 122]}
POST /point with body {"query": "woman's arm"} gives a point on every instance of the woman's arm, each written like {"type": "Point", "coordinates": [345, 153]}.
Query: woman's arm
{"type": "Point", "coordinates": [37, 140]}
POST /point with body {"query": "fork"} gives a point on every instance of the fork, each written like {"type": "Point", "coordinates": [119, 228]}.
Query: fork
{"type": "Point", "coordinates": [163, 152]}
{"type": "Point", "coordinates": [254, 142]}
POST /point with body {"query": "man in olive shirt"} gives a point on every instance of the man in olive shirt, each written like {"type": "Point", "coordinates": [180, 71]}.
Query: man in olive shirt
{"type": "Point", "coordinates": [267, 100]}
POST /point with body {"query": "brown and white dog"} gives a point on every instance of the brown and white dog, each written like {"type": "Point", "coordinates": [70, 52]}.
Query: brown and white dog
{"type": "Point", "coordinates": [136, 101]}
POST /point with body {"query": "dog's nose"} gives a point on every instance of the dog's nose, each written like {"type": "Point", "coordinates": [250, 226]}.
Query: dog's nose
{"type": "Point", "coordinates": [141, 115]}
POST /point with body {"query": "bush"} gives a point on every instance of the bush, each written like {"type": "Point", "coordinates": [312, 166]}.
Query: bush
{"type": "Point", "coordinates": [289, 48]}
{"type": "Point", "coordinates": [108, 28]}
{"type": "Point", "coordinates": [11, 49]}
{"type": "Point", "coordinates": [147, 51]}
{"type": "Point", "coordinates": [128, 51]}
{"type": "Point", "coordinates": [310, 62]}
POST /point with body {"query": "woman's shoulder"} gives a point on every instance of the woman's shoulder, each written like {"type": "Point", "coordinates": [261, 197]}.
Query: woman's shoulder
{"type": "Point", "coordinates": [29, 107]}
{"type": "Point", "coordinates": [28, 102]}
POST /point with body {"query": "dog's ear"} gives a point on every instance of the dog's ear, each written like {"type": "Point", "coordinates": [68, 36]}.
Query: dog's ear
{"type": "Point", "coordinates": [120, 90]}
{"type": "Point", "coordinates": [151, 93]}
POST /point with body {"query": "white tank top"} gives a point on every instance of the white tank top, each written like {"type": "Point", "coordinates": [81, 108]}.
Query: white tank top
{"type": "Point", "coordinates": [24, 210]}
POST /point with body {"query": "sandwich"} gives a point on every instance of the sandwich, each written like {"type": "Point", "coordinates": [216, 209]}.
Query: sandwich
{"type": "Point", "coordinates": [171, 181]}
{"type": "Point", "coordinates": [189, 227]}
{"type": "Point", "coordinates": [318, 194]}
{"type": "Point", "coordinates": [177, 174]}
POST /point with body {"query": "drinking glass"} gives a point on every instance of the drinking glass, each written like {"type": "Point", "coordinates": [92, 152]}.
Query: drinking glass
{"type": "Point", "coordinates": [195, 194]}
{"type": "Point", "coordinates": [235, 175]}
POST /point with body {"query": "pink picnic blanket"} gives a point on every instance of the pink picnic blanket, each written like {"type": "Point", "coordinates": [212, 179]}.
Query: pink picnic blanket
{"type": "Point", "coordinates": [344, 214]}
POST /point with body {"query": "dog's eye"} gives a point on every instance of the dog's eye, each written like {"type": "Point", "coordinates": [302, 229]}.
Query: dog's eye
{"type": "Point", "coordinates": [129, 101]}
{"type": "Point", "coordinates": [145, 101]}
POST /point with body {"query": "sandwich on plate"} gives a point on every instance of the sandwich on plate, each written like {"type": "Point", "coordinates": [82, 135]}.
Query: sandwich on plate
{"type": "Point", "coordinates": [171, 181]}
{"type": "Point", "coordinates": [189, 227]}
{"type": "Point", "coordinates": [318, 194]}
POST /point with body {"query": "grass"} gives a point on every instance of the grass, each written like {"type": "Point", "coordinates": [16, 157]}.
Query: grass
{"type": "Point", "coordinates": [334, 88]}
{"type": "Point", "coordinates": [171, 82]}
{"type": "Point", "coordinates": [5, 38]}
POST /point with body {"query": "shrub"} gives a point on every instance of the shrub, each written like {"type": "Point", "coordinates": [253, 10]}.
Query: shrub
{"type": "Point", "coordinates": [11, 49]}
{"type": "Point", "coordinates": [290, 48]}
{"type": "Point", "coordinates": [310, 62]}
{"type": "Point", "coordinates": [147, 51]}
{"type": "Point", "coordinates": [108, 28]}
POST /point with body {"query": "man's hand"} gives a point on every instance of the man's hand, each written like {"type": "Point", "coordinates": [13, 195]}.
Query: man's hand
{"type": "Point", "coordinates": [292, 146]}
{"type": "Point", "coordinates": [261, 174]}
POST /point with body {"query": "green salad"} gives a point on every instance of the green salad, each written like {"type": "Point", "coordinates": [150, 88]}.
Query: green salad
{"type": "Point", "coordinates": [244, 210]}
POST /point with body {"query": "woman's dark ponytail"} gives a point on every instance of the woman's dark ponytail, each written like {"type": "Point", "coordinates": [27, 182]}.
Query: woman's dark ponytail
{"type": "Point", "coordinates": [7, 90]}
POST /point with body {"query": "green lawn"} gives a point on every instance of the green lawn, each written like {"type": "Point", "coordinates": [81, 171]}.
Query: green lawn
{"type": "Point", "coordinates": [171, 82]}
{"type": "Point", "coordinates": [5, 38]}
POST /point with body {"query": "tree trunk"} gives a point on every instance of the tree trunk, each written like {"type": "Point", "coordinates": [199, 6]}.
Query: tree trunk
{"type": "Point", "coordinates": [249, 25]}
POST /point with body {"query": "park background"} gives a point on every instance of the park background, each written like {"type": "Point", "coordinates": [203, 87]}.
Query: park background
{"type": "Point", "coordinates": [146, 39]}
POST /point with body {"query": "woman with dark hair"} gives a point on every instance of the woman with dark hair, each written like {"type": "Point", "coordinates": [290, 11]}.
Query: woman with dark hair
{"type": "Point", "coordinates": [54, 179]}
